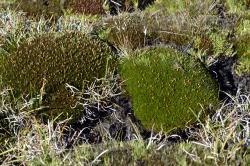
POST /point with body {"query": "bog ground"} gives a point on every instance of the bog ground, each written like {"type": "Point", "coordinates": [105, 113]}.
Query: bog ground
{"type": "Point", "coordinates": [124, 82]}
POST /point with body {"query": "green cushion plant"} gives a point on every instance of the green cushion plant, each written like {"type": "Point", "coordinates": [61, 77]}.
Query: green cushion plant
{"type": "Point", "coordinates": [166, 88]}
{"type": "Point", "coordinates": [49, 62]}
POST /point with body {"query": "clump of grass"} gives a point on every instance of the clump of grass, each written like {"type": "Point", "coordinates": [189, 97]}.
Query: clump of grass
{"type": "Point", "coordinates": [133, 31]}
{"type": "Point", "coordinates": [13, 114]}
{"type": "Point", "coordinates": [37, 142]}
{"type": "Point", "coordinates": [175, 30]}
{"type": "Point", "coordinates": [10, 34]}
{"type": "Point", "coordinates": [103, 101]}
{"type": "Point", "coordinates": [165, 89]}
{"type": "Point", "coordinates": [224, 138]}
{"type": "Point", "coordinates": [126, 31]}
{"type": "Point", "coordinates": [16, 114]}
{"type": "Point", "coordinates": [182, 30]}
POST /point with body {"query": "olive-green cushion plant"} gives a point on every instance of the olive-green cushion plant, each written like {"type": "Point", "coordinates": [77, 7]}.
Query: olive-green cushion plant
{"type": "Point", "coordinates": [49, 62]}
{"type": "Point", "coordinates": [166, 88]}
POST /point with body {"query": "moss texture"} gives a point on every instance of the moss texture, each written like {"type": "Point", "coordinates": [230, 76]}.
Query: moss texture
{"type": "Point", "coordinates": [165, 87]}
{"type": "Point", "coordinates": [49, 62]}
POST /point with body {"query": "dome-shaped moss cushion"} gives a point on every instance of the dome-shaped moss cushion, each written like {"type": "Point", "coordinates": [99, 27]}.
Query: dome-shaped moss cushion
{"type": "Point", "coordinates": [52, 61]}
{"type": "Point", "coordinates": [165, 86]}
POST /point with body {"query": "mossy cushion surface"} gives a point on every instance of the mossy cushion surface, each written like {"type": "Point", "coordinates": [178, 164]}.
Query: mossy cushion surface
{"type": "Point", "coordinates": [165, 86]}
{"type": "Point", "coordinates": [50, 62]}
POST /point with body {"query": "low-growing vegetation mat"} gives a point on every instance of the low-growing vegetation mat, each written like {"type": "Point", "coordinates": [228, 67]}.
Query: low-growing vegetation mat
{"type": "Point", "coordinates": [47, 63]}
{"type": "Point", "coordinates": [124, 82]}
{"type": "Point", "coordinates": [166, 91]}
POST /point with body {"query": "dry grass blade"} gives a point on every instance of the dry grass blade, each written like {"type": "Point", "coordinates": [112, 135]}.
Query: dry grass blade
{"type": "Point", "coordinates": [224, 134]}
